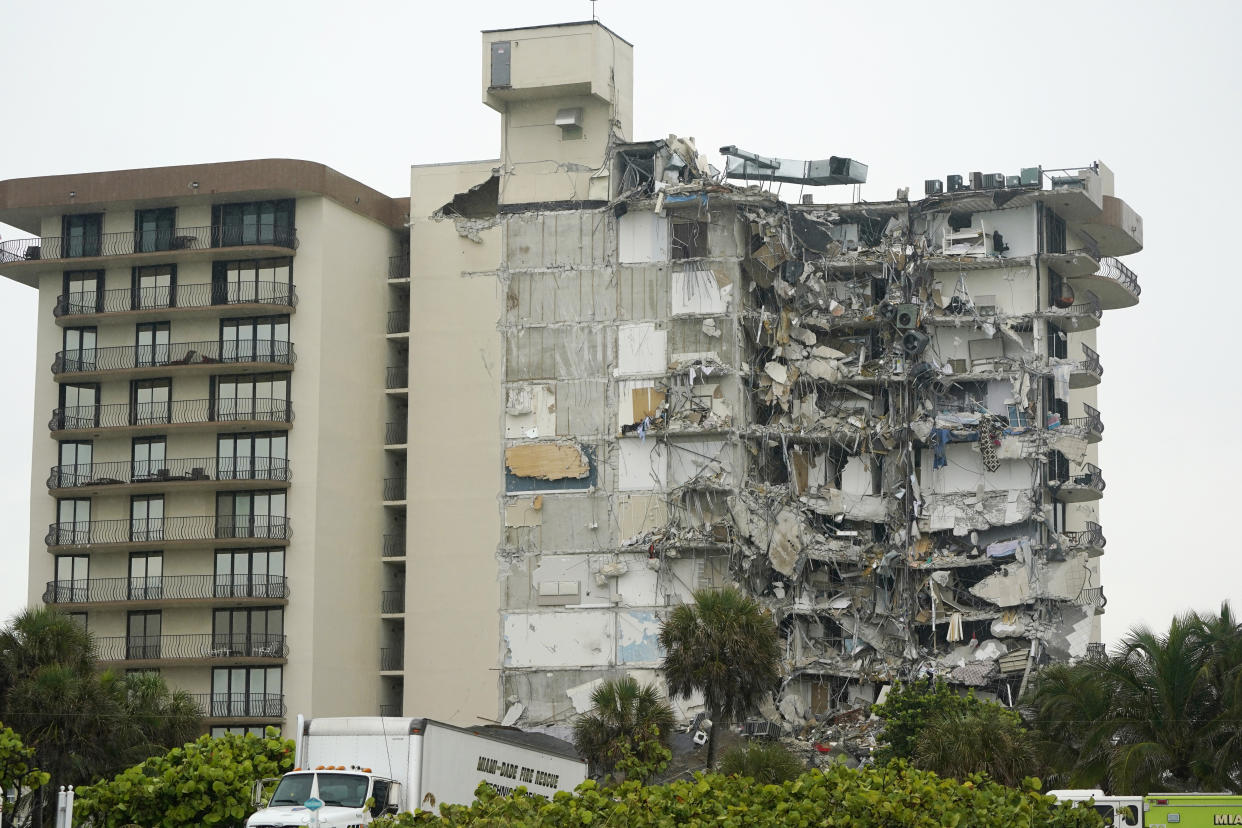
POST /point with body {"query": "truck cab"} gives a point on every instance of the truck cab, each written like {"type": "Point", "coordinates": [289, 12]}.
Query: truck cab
{"type": "Point", "coordinates": [1117, 811]}
{"type": "Point", "coordinates": [344, 792]}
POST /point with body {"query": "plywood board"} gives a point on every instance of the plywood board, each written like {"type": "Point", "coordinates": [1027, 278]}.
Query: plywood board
{"type": "Point", "coordinates": [547, 461]}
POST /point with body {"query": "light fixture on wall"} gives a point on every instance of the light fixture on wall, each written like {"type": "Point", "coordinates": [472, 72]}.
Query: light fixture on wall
{"type": "Point", "coordinates": [73, 193]}
{"type": "Point", "coordinates": [193, 185]}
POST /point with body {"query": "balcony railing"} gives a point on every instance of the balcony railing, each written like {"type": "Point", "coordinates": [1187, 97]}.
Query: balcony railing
{"type": "Point", "coordinates": [398, 321]}
{"type": "Point", "coordinates": [1091, 361]}
{"type": "Point", "coordinates": [168, 471]}
{"type": "Point", "coordinates": [399, 267]}
{"type": "Point", "coordinates": [129, 242]}
{"type": "Point", "coordinates": [156, 530]}
{"type": "Point", "coordinates": [397, 376]}
{"type": "Point", "coordinates": [1091, 597]}
{"type": "Point", "coordinates": [1090, 306]}
{"type": "Point", "coordinates": [1092, 422]}
{"type": "Point", "coordinates": [211, 352]}
{"type": "Point", "coordinates": [396, 433]}
{"type": "Point", "coordinates": [394, 488]}
{"type": "Point", "coordinates": [202, 295]}
{"type": "Point", "coordinates": [392, 658]}
{"type": "Point", "coordinates": [1092, 536]}
{"type": "Point", "coordinates": [1097, 651]}
{"type": "Point", "coordinates": [394, 546]}
{"type": "Point", "coordinates": [117, 415]}
{"type": "Point", "coordinates": [1091, 477]}
{"type": "Point", "coordinates": [189, 646]}
{"type": "Point", "coordinates": [166, 588]}
{"type": "Point", "coordinates": [240, 705]}
{"type": "Point", "coordinates": [1118, 272]}
{"type": "Point", "coordinates": [392, 601]}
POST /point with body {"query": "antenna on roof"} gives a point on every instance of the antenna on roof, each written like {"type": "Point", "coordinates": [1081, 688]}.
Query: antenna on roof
{"type": "Point", "coordinates": [592, 11]}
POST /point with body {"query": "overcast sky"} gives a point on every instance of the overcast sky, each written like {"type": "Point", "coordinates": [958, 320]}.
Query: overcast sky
{"type": "Point", "coordinates": [915, 90]}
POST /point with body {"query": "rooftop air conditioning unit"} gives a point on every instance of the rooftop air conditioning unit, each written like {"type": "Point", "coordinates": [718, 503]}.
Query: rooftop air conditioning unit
{"type": "Point", "coordinates": [933, 186]}
{"type": "Point", "coordinates": [994, 181]}
{"type": "Point", "coordinates": [956, 184]}
{"type": "Point", "coordinates": [976, 181]}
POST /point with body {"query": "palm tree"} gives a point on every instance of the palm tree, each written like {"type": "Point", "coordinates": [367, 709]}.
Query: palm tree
{"type": "Point", "coordinates": [1070, 706]}
{"type": "Point", "coordinates": [985, 738]}
{"type": "Point", "coordinates": [725, 647]}
{"type": "Point", "coordinates": [622, 717]}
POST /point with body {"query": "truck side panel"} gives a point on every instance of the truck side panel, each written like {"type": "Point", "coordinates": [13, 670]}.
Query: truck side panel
{"type": "Point", "coordinates": [1192, 810]}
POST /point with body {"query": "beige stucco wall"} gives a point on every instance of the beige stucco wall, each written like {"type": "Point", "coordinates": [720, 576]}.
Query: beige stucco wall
{"type": "Point", "coordinates": [451, 635]}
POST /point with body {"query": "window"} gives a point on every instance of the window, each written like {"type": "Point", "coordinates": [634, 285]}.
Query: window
{"type": "Point", "coordinates": [153, 229]}
{"type": "Point", "coordinates": [79, 349]}
{"type": "Point", "coordinates": [261, 281]}
{"type": "Point", "coordinates": [262, 339]}
{"type": "Point", "coordinates": [148, 458]}
{"type": "Point", "coordinates": [83, 292]}
{"type": "Point", "coordinates": [79, 405]}
{"type": "Point", "coordinates": [250, 573]}
{"type": "Point", "coordinates": [1058, 467]}
{"type": "Point", "coordinates": [146, 518]}
{"type": "Point", "coordinates": [74, 466]}
{"type": "Point", "coordinates": [1054, 232]}
{"type": "Point", "coordinates": [1018, 417]}
{"type": "Point", "coordinates": [151, 401]}
{"type": "Point", "coordinates": [82, 235]}
{"type": "Point", "coordinates": [248, 632]}
{"type": "Point", "coordinates": [73, 521]}
{"type": "Point", "coordinates": [72, 578]}
{"type": "Point", "coordinates": [142, 634]}
{"type": "Point", "coordinates": [258, 456]}
{"type": "Point", "coordinates": [1058, 342]}
{"type": "Point", "coordinates": [246, 691]}
{"type": "Point", "coordinates": [689, 239]}
{"type": "Point", "coordinates": [250, 515]}
{"type": "Point", "coordinates": [151, 340]}
{"type": "Point", "coordinates": [255, 222]}
{"type": "Point", "coordinates": [154, 287]}
{"type": "Point", "coordinates": [146, 571]}
{"type": "Point", "coordinates": [253, 397]}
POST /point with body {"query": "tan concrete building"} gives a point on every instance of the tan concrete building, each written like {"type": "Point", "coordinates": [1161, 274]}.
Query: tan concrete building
{"type": "Point", "coordinates": [610, 374]}
{"type": "Point", "coordinates": [209, 423]}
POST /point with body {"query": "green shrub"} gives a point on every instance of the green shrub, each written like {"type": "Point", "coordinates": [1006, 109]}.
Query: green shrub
{"type": "Point", "coordinates": [764, 762]}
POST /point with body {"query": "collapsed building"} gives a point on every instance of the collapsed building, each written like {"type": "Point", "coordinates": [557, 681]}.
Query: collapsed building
{"type": "Point", "coordinates": [877, 418]}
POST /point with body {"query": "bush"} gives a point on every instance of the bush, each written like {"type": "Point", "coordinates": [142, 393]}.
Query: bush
{"type": "Point", "coordinates": [764, 762]}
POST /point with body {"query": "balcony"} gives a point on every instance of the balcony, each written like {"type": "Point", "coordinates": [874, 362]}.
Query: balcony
{"type": "Point", "coordinates": [398, 322]}
{"type": "Point", "coordinates": [399, 267]}
{"type": "Point", "coordinates": [1092, 597]}
{"type": "Point", "coordinates": [240, 705]}
{"type": "Point", "coordinates": [397, 377]}
{"type": "Point", "coordinates": [159, 303]}
{"type": "Point", "coordinates": [1090, 539]}
{"type": "Point", "coordinates": [169, 590]}
{"type": "Point", "coordinates": [1089, 371]}
{"type": "Point", "coordinates": [163, 533]}
{"type": "Point", "coordinates": [1081, 316]}
{"type": "Point", "coordinates": [394, 489]}
{"type": "Point", "coordinates": [392, 659]}
{"type": "Point", "coordinates": [155, 418]}
{"type": "Point", "coordinates": [1113, 283]}
{"type": "Point", "coordinates": [1086, 485]}
{"type": "Point", "coordinates": [396, 434]}
{"type": "Point", "coordinates": [174, 358]}
{"type": "Point", "coordinates": [1092, 425]}
{"type": "Point", "coordinates": [394, 546]}
{"type": "Point", "coordinates": [158, 650]}
{"type": "Point", "coordinates": [137, 248]}
{"type": "Point", "coordinates": [134, 477]}
{"type": "Point", "coordinates": [1117, 229]}
{"type": "Point", "coordinates": [392, 601]}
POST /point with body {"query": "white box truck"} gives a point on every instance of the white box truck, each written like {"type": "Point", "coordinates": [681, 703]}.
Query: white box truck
{"type": "Point", "coordinates": [399, 764]}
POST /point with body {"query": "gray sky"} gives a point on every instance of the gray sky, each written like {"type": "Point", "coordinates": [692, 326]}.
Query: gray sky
{"type": "Point", "coordinates": [916, 90]}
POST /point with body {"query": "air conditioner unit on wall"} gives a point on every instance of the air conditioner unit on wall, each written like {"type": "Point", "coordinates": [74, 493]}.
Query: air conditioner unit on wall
{"type": "Point", "coordinates": [907, 317]}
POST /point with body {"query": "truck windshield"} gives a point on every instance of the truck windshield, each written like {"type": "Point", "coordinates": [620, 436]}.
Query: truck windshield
{"type": "Point", "coordinates": [345, 790]}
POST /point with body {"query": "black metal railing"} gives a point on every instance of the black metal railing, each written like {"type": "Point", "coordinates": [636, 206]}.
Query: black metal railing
{"type": "Point", "coordinates": [394, 546]}
{"type": "Point", "coordinates": [1089, 307]}
{"type": "Point", "coordinates": [1092, 423]}
{"type": "Point", "coordinates": [396, 433]}
{"type": "Point", "coordinates": [1092, 536]}
{"type": "Point", "coordinates": [398, 321]}
{"type": "Point", "coordinates": [1091, 597]}
{"type": "Point", "coordinates": [399, 267]}
{"type": "Point", "coordinates": [201, 295]}
{"type": "Point", "coordinates": [169, 470]}
{"type": "Point", "coordinates": [148, 530]}
{"type": "Point", "coordinates": [190, 646]}
{"type": "Point", "coordinates": [240, 705]}
{"type": "Point", "coordinates": [1097, 651]}
{"type": "Point", "coordinates": [397, 376]}
{"type": "Point", "coordinates": [392, 658]}
{"type": "Point", "coordinates": [172, 354]}
{"type": "Point", "coordinates": [1091, 361]}
{"type": "Point", "coordinates": [140, 241]}
{"type": "Point", "coordinates": [118, 415]}
{"type": "Point", "coordinates": [1091, 477]}
{"type": "Point", "coordinates": [394, 488]}
{"type": "Point", "coordinates": [166, 588]}
{"type": "Point", "coordinates": [392, 601]}
{"type": "Point", "coordinates": [1117, 271]}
